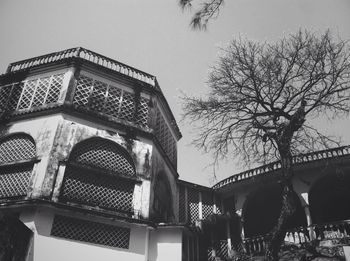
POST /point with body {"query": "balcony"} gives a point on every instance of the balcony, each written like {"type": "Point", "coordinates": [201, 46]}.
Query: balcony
{"type": "Point", "coordinates": [85, 55]}
{"type": "Point", "coordinates": [333, 153]}
{"type": "Point", "coordinates": [339, 230]}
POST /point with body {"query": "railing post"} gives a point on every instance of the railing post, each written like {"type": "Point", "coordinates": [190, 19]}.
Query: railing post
{"type": "Point", "coordinates": [71, 77]}
{"type": "Point", "coordinates": [229, 242]}
{"type": "Point", "coordinates": [305, 196]}
{"type": "Point", "coordinates": [200, 206]}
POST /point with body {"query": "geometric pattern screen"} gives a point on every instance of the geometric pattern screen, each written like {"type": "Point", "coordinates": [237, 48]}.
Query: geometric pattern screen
{"type": "Point", "coordinates": [91, 232]}
{"type": "Point", "coordinates": [165, 138]}
{"type": "Point", "coordinates": [100, 97]}
{"type": "Point", "coordinates": [103, 154]}
{"type": "Point", "coordinates": [17, 147]}
{"type": "Point", "coordinates": [97, 189]}
{"type": "Point", "coordinates": [192, 204]}
{"type": "Point", "coordinates": [207, 204]}
{"type": "Point", "coordinates": [94, 176]}
{"type": "Point", "coordinates": [31, 93]}
{"type": "Point", "coordinates": [14, 179]}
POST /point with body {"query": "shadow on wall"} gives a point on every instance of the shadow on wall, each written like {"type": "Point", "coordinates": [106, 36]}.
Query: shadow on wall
{"type": "Point", "coordinates": [329, 198]}
{"type": "Point", "coordinates": [261, 211]}
{"type": "Point", "coordinates": [15, 239]}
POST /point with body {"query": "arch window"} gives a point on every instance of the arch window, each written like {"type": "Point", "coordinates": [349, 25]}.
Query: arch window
{"type": "Point", "coordinates": [17, 155]}
{"type": "Point", "coordinates": [100, 173]}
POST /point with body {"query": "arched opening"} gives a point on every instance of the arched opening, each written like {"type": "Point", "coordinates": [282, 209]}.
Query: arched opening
{"type": "Point", "coordinates": [17, 156]}
{"type": "Point", "coordinates": [100, 173]}
{"type": "Point", "coordinates": [329, 198]}
{"type": "Point", "coordinates": [262, 209]}
{"type": "Point", "coordinates": [162, 201]}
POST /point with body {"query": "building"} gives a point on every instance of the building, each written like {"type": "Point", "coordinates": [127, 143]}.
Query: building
{"type": "Point", "coordinates": [88, 170]}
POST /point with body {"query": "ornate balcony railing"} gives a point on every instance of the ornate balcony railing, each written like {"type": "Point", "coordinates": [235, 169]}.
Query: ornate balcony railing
{"type": "Point", "coordinates": [85, 55]}
{"type": "Point", "coordinates": [333, 230]}
{"type": "Point", "coordinates": [299, 159]}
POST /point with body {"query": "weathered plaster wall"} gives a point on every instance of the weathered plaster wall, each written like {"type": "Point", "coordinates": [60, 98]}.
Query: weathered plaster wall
{"type": "Point", "coordinates": [71, 131]}
{"type": "Point", "coordinates": [42, 130]}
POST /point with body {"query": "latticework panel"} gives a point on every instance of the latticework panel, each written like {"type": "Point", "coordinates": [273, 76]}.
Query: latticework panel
{"type": "Point", "coordinates": [41, 91]}
{"type": "Point", "coordinates": [14, 181]}
{"type": "Point", "coordinates": [15, 96]}
{"type": "Point", "coordinates": [27, 94]}
{"type": "Point", "coordinates": [103, 154]}
{"type": "Point", "coordinates": [108, 99]}
{"type": "Point", "coordinates": [54, 89]}
{"type": "Point", "coordinates": [127, 109]}
{"type": "Point", "coordinates": [4, 96]}
{"type": "Point", "coordinates": [182, 204]}
{"type": "Point", "coordinates": [82, 91]}
{"type": "Point", "coordinates": [207, 204]}
{"type": "Point", "coordinates": [142, 113]}
{"type": "Point", "coordinates": [97, 189]}
{"type": "Point", "coordinates": [91, 232]}
{"type": "Point", "coordinates": [165, 138]}
{"type": "Point", "coordinates": [98, 96]}
{"type": "Point", "coordinates": [193, 205]}
{"type": "Point", "coordinates": [222, 249]}
{"type": "Point", "coordinates": [16, 147]}
{"type": "Point", "coordinates": [113, 101]}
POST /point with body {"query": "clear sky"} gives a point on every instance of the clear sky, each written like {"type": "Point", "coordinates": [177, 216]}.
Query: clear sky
{"type": "Point", "coordinates": [154, 36]}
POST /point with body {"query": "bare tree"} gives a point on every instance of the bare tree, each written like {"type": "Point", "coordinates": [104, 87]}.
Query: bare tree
{"type": "Point", "coordinates": [261, 97]}
{"type": "Point", "coordinates": [209, 9]}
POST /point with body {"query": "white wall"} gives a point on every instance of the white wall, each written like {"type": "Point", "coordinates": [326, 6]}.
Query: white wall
{"type": "Point", "coordinates": [165, 244]}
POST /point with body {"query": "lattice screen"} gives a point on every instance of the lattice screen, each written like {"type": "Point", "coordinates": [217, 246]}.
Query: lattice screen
{"type": "Point", "coordinates": [222, 249]}
{"type": "Point", "coordinates": [110, 100]}
{"type": "Point", "coordinates": [193, 205]}
{"type": "Point", "coordinates": [15, 96]}
{"type": "Point", "coordinates": [91, 232]}
{"type": "Point", "coordinates": [16, 147]}
{"type": "Point", "coordinates": [103, 154]}
{"type": "Point", "coordinates": [4, 96]}
{"type": "Point", "coordinates": [182, 204]}
{"type": "Point", "coordinates": [14, 180]}
{"type": "Point", "coordinates": [142, 116]}
{"type": "Point", "coordinates": [97, 189]}
{"type": "Point", "coordinates": [207, 204]}
{"type": "Point", "coordinates": [38, 92]}
{"type": "Point", "coordinates": [165, 137]}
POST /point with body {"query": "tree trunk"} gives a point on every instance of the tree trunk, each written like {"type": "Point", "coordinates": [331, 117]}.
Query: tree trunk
{"type": "Point", "coordinates": [288, 209]}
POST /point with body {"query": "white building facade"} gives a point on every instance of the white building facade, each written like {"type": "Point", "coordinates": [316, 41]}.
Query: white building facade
{"type": "Point", "coordinates": [88, 170]}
